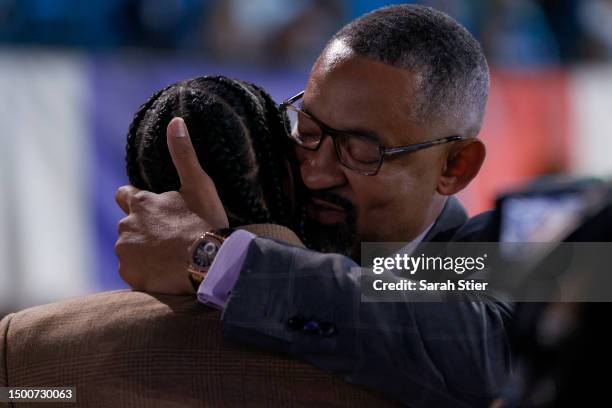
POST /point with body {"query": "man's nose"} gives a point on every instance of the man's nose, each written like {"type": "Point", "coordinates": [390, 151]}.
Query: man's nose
{"type": "Point", "coordinates": [320, 169]}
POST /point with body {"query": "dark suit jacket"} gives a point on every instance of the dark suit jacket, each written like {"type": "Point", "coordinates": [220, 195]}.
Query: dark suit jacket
{"type": "Point", "coordinates": [423, 354]}
{"type": "Point", "coordinates": [132, 349]}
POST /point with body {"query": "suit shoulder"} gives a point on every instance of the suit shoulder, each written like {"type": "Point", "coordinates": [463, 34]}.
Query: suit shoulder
{"type": "Point", "coordinates": [99, 313]}
{"type": "Point", "coordinates": [480, 228]}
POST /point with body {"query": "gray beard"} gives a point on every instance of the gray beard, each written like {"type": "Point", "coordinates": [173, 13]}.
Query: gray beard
{"type": "Point", "coordinates": [338, 239]}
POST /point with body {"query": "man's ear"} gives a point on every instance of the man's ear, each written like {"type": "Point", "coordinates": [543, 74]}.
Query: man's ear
{"type": "Point", "coordinates": [462, 164]}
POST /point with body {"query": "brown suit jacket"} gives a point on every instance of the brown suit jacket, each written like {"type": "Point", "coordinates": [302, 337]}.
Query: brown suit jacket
{"type": "Point", "coordinates": [134, 349]}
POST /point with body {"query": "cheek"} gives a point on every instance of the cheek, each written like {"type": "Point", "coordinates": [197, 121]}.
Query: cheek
{"type": "Point", "coordinates": [300, 154]}
{"type": "Point", "coordinates": [391, 199]}
{"type": "Point", "coordinates": [387, 189]}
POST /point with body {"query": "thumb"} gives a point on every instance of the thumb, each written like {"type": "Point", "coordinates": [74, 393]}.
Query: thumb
{"type": "Point", "coordinates": [197, 188]}
{"type": "Point", "coordinates": [193, 178]}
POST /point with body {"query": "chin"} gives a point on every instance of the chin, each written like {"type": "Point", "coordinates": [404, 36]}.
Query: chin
{"type": "Point", "coordinates": [331, 238]}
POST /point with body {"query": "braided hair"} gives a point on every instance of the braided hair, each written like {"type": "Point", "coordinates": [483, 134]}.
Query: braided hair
{"type": "Point", "coordinates": [238, 135]}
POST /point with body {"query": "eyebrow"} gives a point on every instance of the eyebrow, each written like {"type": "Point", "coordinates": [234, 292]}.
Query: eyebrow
{"type": "Point", "coordinates": [365, 133]}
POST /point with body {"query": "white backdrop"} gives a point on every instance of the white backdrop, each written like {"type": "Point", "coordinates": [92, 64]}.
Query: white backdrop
{"type": "Point", "coordinates": [44, 214]}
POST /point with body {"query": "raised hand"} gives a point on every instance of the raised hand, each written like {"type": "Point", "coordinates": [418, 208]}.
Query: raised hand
{"type": "Point", "coordinates": [158, 228]}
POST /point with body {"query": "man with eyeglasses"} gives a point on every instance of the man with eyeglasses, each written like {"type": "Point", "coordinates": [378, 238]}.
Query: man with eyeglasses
{"type": "Point", "coordinates": [386, 135]}
{"type": "Point", "coordinates": [352, 200]}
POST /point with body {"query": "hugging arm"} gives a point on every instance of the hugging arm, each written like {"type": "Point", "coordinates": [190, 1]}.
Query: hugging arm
{"type": "Point", "coordinates": [308, 304]}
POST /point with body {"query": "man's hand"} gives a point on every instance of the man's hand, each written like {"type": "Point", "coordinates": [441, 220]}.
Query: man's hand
{"type": "Point", "coordinates": [156, 233]}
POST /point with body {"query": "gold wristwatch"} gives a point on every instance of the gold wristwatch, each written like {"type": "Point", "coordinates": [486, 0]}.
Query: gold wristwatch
{"type": "Point", "coordinates": [202, 253]}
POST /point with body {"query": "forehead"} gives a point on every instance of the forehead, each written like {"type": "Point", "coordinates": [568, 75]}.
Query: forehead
{"type": "Point", "coordinates": [349, 91]}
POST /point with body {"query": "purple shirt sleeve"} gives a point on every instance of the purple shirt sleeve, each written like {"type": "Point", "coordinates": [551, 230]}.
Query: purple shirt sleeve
{"type": "Point", "coordinates": [225, 270]}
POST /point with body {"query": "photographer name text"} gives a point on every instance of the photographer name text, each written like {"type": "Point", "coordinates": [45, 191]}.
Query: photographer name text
{"type": "Point", "coordinates": [425, 285]}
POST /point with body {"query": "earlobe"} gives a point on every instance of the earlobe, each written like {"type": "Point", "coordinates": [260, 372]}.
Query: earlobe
{"type": "Point", "coordinates": [462, 165]}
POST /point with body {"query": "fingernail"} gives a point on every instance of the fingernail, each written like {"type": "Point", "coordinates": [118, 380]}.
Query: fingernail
{"type": "Point", "coordinates": [181, 130]}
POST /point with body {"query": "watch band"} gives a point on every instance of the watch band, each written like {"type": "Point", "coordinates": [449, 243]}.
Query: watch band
{"type": "Point", "coordinates": [223, 232]}
{"type": "Point", "coordinates": [195, 280]}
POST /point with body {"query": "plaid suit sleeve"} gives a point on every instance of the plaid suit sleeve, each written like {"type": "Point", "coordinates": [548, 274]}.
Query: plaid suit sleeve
{"type": "Point", "coordinates": [423, 354]}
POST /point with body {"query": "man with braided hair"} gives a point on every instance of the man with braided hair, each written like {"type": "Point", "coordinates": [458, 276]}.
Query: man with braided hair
{"type": "Point", "coordinates": [386, 133]}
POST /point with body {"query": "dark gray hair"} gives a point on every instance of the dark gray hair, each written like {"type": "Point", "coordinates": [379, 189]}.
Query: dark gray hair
{"type": "Point", "coordinates": [452, 72]}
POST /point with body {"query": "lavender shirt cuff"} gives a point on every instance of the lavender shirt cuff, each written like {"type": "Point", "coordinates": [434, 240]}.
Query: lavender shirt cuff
{"type": "Point", "coordinates": [225, 270]}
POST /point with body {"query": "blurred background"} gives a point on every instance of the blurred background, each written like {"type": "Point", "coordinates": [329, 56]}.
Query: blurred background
{"type": "Point", "coordinates": [72, 73]}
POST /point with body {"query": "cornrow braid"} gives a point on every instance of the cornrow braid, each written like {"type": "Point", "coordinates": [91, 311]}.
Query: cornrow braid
{"type": "Point", "coordinates": [246, 104]}
{"type": "Point", "coordinates": [237, 141]}
{"type": "Point", "coordinates": [269, 140]}
{"type": "Point", "coordinates": [131, 151]}
{"type": "Point", "coordinates": [283, 145]}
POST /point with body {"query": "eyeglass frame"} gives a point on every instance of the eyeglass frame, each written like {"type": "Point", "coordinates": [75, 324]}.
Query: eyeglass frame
{"type": "Point", "coordinates": [385, 151]}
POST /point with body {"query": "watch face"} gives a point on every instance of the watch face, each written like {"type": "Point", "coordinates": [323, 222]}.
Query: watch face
{"type": "Point", "coordinates": [204, 252]}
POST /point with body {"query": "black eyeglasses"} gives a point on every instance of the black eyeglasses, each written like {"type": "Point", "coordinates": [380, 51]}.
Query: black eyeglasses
{"type": "Point", "coordinates": [359, 152]}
